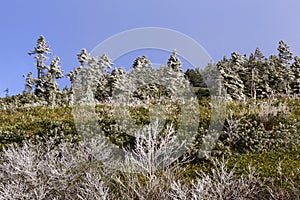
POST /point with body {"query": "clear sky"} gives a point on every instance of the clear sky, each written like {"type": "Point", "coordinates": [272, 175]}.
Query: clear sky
{"type": "Point", "coordinates": [220, 26]}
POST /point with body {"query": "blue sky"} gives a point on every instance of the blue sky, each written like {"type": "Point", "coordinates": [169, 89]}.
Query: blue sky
{"type": "Point", "coordinates": [221, 27]}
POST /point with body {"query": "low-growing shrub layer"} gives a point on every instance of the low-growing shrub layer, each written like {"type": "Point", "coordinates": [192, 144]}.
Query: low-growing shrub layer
{"type": "Point", "coordinates": [262, 133]}
{"type": "Point", "coordinates": [47, 170]}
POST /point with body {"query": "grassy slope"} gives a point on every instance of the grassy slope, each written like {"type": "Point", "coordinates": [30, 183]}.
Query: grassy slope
{"type": "Point", "coordinates": [39, 120]}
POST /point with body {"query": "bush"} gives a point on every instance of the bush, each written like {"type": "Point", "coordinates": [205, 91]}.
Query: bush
{"type": "Point", "coordinates": [51, 170]}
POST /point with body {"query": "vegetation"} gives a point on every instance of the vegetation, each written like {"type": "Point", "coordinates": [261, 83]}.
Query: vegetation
{"type": "Point", "coordinates": [257, 154]}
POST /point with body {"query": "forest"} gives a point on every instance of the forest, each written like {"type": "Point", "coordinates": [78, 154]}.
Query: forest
{"type": "Point", "coordinates": [46, 149]}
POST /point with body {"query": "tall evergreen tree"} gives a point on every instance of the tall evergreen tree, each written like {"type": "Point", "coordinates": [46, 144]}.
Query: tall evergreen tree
{"type": "Point", "coordinates": [264, 89]}
{"type": "Point", "coordinates": [230, 70]}
{"type": "Point", "coordinates": [82, 58]}
{"type": "Point", "coordinates": [51, 86]}
{"type": "Point", "coordinates": [275, 76]}
{"type": "Point", "coordinates": [256, 85]}
{"type": "Point", "coordinates": [41, 50]}
{"type": "Point", "coordinates": [295, 68]}
{"type": "Point", "coordinates": [91, 78]}
{"type": "Point", "coordinates": [250, 82]}
{"type": "Point", "coordinates": [285, 57]}
{"type": "Point", "coordinates": [103, 78]}
{"type": "Point", "coordinates": [45, 84]}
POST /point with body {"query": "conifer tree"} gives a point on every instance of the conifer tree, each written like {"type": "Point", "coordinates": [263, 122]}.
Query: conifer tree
{"type": "Point", "coordinates": [263, 89]}
{"type": "Point", "coordinates": [41, 50]}
{"type": "Point", "coordinates": [229, 70]}
{"type": "Point", "coordinates": [54, 72]}
{"type": "Point", "coordinates": [274, 76]}
{"type": "Point", "coordinates": [250, 82]}
{"type": "Point", "coordinates": [29, 83]}
{"type": "Point", "coordinates": [103, 79]}
{"type": "Point", "coordinates": [258, 55]}
{"type": "Point", "coordinates": [45, 84]}
{"type": "Point", "coordinates": [174, 62]}
{"type": "Point", "coordinates": [141, 63]}
{"type": "Point", "coordinates": [55, 69]}
{"type": "Point", "coordinates": [91, 77]}
{"type": "Point", "coordinates": [83, 57]}
{"type": "Point", "coordinates": [256, 84]}
{"type": "Point", "coordinates": [212, 81]}
{"type": "Point", "coordinates": [194, 77]}
{"type": "Point", "coordinates": [295, 68]}
{"type": "Point", "coordinates": [105, 62]}
{"type": "Point", "coordinates": [284, 57]}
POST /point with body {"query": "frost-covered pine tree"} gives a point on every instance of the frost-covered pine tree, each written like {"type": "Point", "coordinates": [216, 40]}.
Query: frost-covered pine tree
{"type": "Point", "coordinates": [263, 88]}
{"type": "Point", "coordinates": [258, 55]}
{"type": "Point", "coordinates": [213, 84]}
{"type": "Point", "coordinates": [51, 86]}
{"type": "Point", "coordinates": [295, 68]}
{"type": "Point", "coordinates": [254, 79]}
{"type": "Point", "coordinates": [174, 62]}
{"type": "Point", "coordinates": [274, 75]}
{"type": "Point", "coordinates": [103, 78]}
{"type": "Point", "coordinates": [45, 84]}
{"type": "Point", "coordinates": [229, 70]}
{"type": "Point", "coordinates": [82, 78]}
{"type": "Point", "coordinates": [29, 83]}
{"type": "Point", "coordinates": [90, 78]}
{"type": "Point", "coordinates": [41, 50]}
{"type": "Point", "coordinates": [285, 56]}
{"type": "Point", "coordinates": [55, 69]}
{"type": "Point", "coordinates": [105, 62]}
{"type": "Point", "coordinates": [83, 57]}
{"type": "Point", "coordinates": [250, 83]}
{"type": "Point", "coordinates": [141, 63]}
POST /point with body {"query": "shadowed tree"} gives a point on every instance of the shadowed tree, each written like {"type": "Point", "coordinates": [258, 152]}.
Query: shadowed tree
{"type": "Point", "coordinates": [195, 78]}
{"type": "Point", "coordinates": [295, 68]}
{"type": "Point", "coordinates": [254, 79]}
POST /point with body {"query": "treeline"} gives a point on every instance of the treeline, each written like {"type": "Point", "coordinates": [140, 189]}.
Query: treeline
{"type": "Point", "coordinates": [257, 76]}
{"type": "Point", "coordinates": [95, 73]}
{"type": "Point", "coordinates": [243, 77]}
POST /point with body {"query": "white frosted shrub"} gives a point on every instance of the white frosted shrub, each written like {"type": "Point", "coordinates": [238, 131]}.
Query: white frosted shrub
{"type": "Point", "coordinates": [50, 171]}
{"type": "Point", "coordinates": [221, 184]}
{"type": "Point", "coordinates": [148, 171]}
